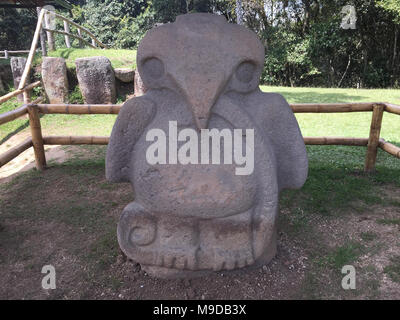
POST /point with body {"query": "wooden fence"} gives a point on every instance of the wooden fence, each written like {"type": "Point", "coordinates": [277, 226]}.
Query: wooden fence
{"type": "Point", "coordinates": [31, 108]}
{"type": "Point", "coordinates": [35, 108]}
{"type": "Point", "coordinates": [8, 53]}
{"type": "Point", "coordinates": [37, 140]}
{"type": "Point", "coordinates": [37, 34]}
{"type": "Point", "coordinates": [67, 32]}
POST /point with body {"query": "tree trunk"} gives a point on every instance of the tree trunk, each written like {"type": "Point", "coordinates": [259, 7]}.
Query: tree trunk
{"type": "Point", "coordinates": [396, 33]}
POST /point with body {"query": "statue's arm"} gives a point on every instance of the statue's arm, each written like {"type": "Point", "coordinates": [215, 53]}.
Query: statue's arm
{"type": "Point", "coordinates": [282, 129]}
{"type": "Point", "coordinates": [132, 120]}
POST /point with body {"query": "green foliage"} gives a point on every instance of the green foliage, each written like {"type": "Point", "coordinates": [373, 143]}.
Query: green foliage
{"type": "Point", "coordinates": [75, 96]}
{"type": "Point", "coordinates": [16, 28]}
{"type": "Point", "coordinates": [392, 6]}
{"type": "Point", "coordinates": [132, 30]}
{"type": "Point", "coordinates": [343, 255]}
{"type": "Point", "coordinates": [305, 44]}
{"type": "Point", "coordinates": [113, 21]}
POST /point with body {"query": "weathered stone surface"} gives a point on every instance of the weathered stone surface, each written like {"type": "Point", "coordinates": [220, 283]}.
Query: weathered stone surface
{"type": "Point", "coordinates": [5, 72]}
{"type": "Point", "coordinates": [192, 219]}
{"type": "Point", "coordinates": [17, 68]}
{"type": "Point", "coordinates": [96, 80]}
{"type": "Point", "coordinates": [140, 88]}
{"type": "Point", "coordinates": [125, 74]}
{"type": "Point", "coordinates": [55, 81]}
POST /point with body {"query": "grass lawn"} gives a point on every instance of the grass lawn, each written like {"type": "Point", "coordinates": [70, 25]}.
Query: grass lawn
{"type": "Point", "coordinates": [120, 58]}
{"type": "Point", "coordinates": [342, 124]}
{"type": "Point", "coordinates": [341, 216]}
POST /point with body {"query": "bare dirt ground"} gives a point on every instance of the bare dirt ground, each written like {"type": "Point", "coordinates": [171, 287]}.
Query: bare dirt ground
{"type": "Point", "coordinates": [67, 217]}
{"type": "Point", "coordinates": [25, 161]}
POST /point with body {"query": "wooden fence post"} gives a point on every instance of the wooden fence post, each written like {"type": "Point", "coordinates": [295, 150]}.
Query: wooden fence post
{"type": "Point", "coordinates": [374, 134]}
{"type": "Point", "coordinates": [6, 55]}
{"type": "Point", "coordinates": [42, 35]}
{"type": "Point", "coordinates": [27, 97]}
{"type": "Point", "coordinates": [50, 36]}
{"type": "Point", "coordinates": [32, 51]}
{"type": "Point", "coordinates": [80, 35]}
{"type": "Point", "coordinates": [66, 29]}
{"type": "Point", "coordinates": [37, 138]}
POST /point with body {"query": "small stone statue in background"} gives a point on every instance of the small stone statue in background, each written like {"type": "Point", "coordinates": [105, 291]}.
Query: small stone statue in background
{"type": "Point", "coordinates": [191, 217]}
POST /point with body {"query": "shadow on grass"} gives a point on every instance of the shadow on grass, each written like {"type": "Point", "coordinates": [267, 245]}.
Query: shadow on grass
{"type": "Point", "coordinates": [14, 132]}
{"type": "Point", "coordinates": [65, 53]}
{"type": "Point", "coordinates": [336, 181]}
{"type": "Point", "coordinates": [17, 130]}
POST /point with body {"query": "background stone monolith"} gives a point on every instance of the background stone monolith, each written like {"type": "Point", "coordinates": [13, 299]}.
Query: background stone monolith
{"type": "Point", "coordinates": [96, 80]}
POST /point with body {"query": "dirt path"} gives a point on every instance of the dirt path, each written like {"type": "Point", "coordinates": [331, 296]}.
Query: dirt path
{"type": "Point", "coordinates": [26, 160]}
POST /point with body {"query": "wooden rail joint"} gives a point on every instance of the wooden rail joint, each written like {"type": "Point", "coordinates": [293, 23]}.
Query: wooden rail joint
{"type": "Point", "coordinates": [37, 138]}
{"type": "Point", "coordinates": [374, 136]}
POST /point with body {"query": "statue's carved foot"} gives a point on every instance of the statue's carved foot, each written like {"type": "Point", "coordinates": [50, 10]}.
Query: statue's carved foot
{"type": "Point", "coordinates": [234, 259]}
{"type": "Point", "coordinates": [226, 243]}
{"type": "Point", "coordinates": [169, 242]}
{"type": "Point", "coordinates": [174, 259]}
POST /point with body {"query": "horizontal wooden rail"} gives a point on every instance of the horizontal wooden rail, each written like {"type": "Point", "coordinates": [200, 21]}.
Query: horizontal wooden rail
{"type": "Point", "coordinates": [7, 53]}
{"type": "Point", "coordinates": [338, 141]}
{"type": "Point", "coordinates": [114, 108]}
{"type": "Point", "coordinates": [392, 108]}
{"type": "Point", "coordinates": [70, 35]}
{"type": "Point", "coordinates": [331, 107]}
{"type": "Point", "coordinates": [13, 114]}
{"type": "Point", "coordinates": [74, 140]}
{"type": "Point", "coordinates": [79, 108]}
{"type": "Point", "coordinates": [15, 51]}
{"type": "Point", "coordinates": [389, 148]}
{"type": "Point", "coordinates": [13, 94]}
{"type": "Point", "coordinates": [15, 151]}
{"type": "Point", "coordinates": [16, 113]}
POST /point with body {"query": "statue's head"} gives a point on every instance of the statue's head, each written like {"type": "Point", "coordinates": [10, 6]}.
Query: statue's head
{"type": "Point", "coordinates": [201, 57]}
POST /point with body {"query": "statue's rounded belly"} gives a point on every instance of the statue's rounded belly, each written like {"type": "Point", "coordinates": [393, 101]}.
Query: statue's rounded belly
{"type": "Point", "coordinates": [203, 191]}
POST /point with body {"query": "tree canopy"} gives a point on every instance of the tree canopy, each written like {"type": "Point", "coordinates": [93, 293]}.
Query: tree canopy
{"type": "Point", "coordinates": [305, 42]}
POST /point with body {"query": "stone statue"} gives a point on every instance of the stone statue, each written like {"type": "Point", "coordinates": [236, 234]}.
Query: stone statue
{"type": "Point", "coordinates": [190, 218]}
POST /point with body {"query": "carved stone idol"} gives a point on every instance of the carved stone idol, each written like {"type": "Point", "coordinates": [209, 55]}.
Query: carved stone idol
{"type": "Point", "coordinates": [206, 152]}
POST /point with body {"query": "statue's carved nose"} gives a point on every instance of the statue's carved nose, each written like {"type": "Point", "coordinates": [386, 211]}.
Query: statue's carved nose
{"type": "Point", "coordinates": [202, 91]}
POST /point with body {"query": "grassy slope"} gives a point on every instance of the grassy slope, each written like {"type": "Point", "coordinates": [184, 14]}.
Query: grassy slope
{"type": "Point", "coordinates": [119, 58]}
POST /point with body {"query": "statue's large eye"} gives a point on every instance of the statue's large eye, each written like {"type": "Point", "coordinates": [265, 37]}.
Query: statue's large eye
{"type": "Point", "coordinates": [245, 71]}
{"type": "Point", "coordinates": [154, 68]}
